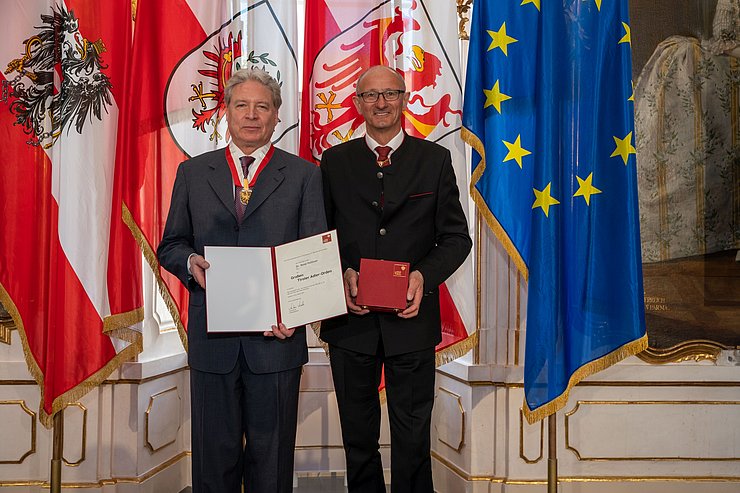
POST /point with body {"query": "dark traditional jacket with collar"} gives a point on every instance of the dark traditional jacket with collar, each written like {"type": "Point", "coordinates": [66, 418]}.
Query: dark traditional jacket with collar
{"type": "Point", "coordinates": [420, 221]}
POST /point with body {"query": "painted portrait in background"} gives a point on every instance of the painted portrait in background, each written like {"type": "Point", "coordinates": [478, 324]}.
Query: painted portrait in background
{"type": "Point", "coordinates": [687, 100]}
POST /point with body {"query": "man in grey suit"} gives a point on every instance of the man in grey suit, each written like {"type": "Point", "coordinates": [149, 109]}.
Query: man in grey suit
{"type": "Point", "coordinates": [244, 387]}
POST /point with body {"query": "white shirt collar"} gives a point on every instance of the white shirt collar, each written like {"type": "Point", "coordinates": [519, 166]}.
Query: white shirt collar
{"type": "Point", "coordinates": [258, 155]}
{"type": "Point", "coordinates": [394, 143]}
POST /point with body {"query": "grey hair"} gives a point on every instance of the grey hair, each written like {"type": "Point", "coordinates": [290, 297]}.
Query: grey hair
{"type": "Point", "coordinates": [379, 67]}
{"type": "Point", "coordinates": [257, 75]}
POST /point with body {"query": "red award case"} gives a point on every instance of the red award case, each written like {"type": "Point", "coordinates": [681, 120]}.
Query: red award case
{"type": "Point", "coordinates": [383, 284]}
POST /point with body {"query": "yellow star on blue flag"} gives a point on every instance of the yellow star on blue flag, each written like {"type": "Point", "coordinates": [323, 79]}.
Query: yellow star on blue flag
{"type": "Point", "coordinates": [501, 40]}
{"type": "Point", "coordinates": [566, 215]}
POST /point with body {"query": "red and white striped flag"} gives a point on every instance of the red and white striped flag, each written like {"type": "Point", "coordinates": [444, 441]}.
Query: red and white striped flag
{"type": "Point", "coordinates": [419, 39]}
{"type": "Point", "coordinates": [184, 52]}
{"type": "Point", "coordinates": [68, 276]}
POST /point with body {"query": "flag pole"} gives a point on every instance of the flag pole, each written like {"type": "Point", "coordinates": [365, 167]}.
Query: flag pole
{"type": "Point", "coordinates": [552, 454]}
{"type": "Point", "coordinates": [55, 484]}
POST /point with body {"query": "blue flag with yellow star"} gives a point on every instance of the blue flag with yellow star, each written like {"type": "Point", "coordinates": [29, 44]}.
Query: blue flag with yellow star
{"type": "Point", "coordinates": [548, 110]}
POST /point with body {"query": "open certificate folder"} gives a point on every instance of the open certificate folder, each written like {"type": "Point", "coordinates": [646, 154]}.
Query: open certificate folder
{"type": "Point", "coordinates": [249, 289]}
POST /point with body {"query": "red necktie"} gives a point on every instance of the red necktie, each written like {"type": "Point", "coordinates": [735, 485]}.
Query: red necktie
{"type": "Point", "coordinates": [383, 152]}
{"type": "Point", "coordinates": [238, 205]}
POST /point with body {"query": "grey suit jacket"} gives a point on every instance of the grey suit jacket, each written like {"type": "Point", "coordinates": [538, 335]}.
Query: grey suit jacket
{"type": "Point", "coordinates": [286, 205]}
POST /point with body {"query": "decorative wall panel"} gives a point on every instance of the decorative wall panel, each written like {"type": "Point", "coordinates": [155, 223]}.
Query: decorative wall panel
{"type": "Point", "coordinates": [163, 419]}
{"type": "Point", "coordinates": [17, 431]}
{"type": "Point", "coordinates": [649, 430]}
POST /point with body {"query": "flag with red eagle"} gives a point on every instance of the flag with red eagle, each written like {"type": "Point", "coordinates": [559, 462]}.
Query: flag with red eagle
{"type": "Point", "coordinates": [184, 52]}
{"type": "Point", "coordinates": [70, 274]}
{"type": "Point", "coordinates": [418, 38]}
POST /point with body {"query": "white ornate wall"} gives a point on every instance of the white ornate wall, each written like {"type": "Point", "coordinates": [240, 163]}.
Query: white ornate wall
{"type": "Point", "coordinates": [131, 434]}
{"type": "Point", "coordinates": [635, 427]}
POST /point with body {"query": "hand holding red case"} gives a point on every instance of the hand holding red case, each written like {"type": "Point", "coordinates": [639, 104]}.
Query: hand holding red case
{"type": "Point", "coordinates": [383, 285]}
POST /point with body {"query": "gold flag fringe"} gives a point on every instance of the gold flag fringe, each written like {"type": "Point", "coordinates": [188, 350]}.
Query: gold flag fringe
{"type": "Point", "coordinates": [454, 351]}
{"type": "Point", "coordinates": [77, 392]}
{"type": "Point", "coordinates": [151, 258]}
{"type": "Point", "coordinates": [483, 209]}
{"type": "Point", "coordinates": [622, 352]}
{"type": "Point", "coordinates": [316, 327]}
{"type": "Point", "coordinates": [118, 325]}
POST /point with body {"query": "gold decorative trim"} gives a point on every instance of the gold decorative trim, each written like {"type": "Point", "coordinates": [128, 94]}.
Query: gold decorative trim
{"type": "Point", "coordinates": [518, 319]}
{"type": "Point", "coordinates": [6, 325]}
{"type": "Point", "coordinates": [454, 351]}
{"type": "Point", "coordinates": [508, 310]}
{"type": "Point", "coordinates": [151, 258]}
{"type": "Point", "coordinates": [584, 371]}
{"type": "Point", "coordinates": [139, 381]}
{"type": "Point", "coordinates": [32, 414]}
{"type": "Point", "coordinates": [583, 458]}
{"type": "Point", "coordinates": [581, 479]}
{"type": "Point", "coordinates": [461, 473]}
{"type": "Point", "coordinates": [478, 284]}
{"type": "Point", "coordinates": [146, 420]}
{"type": "Point", "coordinates": [113, 326]}
{"type": "Point", "coordinates": [600, 383]}
{"type": "Point", "coordinates": [463, 9]}
{"type": "Point", "coordinates": [104, 482]}
{"type": "Point", "coordinates": [84, 436]}
{"type": "Point", "coordinates": [122, 381]}
{"type": "Point", "coordinates": [482, 207]}
{"type": "Point", "coordinates": [4, 334]}
{"type": "Point", "coordinates": [458, 398]}
{"type": "Point", "coordinates": [683, 383]}
{"type": "Point", "coordinates": [386, 446]}
{"type": "Point", "coordinates": [696, 350]}
{"type": "Point", "coordinates": [521, 440]}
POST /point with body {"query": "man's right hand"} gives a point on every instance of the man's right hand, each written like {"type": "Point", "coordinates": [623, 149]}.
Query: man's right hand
{"type": "Point", "coordinates": [350, 292]}
{"type": "Point", "coordinates": [198, 266]}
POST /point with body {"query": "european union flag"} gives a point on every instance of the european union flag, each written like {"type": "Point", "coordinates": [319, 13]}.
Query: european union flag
{"type": "Point", "coordinates": [549, 111]}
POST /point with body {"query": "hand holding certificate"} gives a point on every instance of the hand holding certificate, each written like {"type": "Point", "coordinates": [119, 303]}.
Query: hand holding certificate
{"type": "Point", "coordinates": [250, 289]}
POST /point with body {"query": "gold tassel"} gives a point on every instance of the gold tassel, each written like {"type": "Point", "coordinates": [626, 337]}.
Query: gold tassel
{"type": "Point", "coordinates": [151, 259]}
{"type": "Point", "coordinates": [482, 207]}
{"type": "Point", "coordinates": [629, 349]}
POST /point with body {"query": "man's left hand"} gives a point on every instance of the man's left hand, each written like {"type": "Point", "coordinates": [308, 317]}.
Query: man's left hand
{"type": "Point", "coordinates": [280, 331]}
{"type": "Point", "coordinates": [413, 295]}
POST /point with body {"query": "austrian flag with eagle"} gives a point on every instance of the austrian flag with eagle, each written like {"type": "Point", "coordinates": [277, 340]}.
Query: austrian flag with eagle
{"type": "Point", "coordinates": [70, 275]}
{"type": "Point", "coordinates": [418, 38]}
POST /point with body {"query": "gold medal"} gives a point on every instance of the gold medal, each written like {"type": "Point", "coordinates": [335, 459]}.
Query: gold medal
{"type": "Point", "coordinates": [244, 195]}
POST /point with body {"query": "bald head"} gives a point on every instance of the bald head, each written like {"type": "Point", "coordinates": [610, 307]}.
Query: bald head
{"type": "Point", "coordinates": [380, 69]}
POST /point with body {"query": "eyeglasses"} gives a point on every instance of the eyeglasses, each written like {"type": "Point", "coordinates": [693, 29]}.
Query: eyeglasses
{"type": "Point", "coordinates": [388, 95]}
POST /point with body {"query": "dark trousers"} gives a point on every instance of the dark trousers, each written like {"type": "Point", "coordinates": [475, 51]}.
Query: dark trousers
{"type": "Point", "coordinates": [409, 384]}
{"type": "Point", "coordinates": [243, 428]}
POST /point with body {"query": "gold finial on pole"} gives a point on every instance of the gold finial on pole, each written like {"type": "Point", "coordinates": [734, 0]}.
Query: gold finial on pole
{"type": "Point", "coordinates": [463, 9]}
